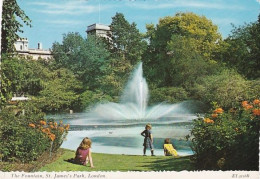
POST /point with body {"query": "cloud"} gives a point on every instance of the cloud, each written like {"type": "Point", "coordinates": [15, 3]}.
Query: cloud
{"type": "Point", "coordinates": [64, 22]}
{"type": "Point", "coordinates": [67, 7]}
{"type": "Point", "coordinates": [185, 4]}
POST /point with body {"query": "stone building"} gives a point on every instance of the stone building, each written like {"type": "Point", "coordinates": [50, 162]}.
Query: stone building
{"type": "Point", "coordinates": [22, 48]}
{"type": "Point", "coordinates": [99, 30]}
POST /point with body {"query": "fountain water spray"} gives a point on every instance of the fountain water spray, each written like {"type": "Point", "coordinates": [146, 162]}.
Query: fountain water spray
{"type": "Point", "coordinates": [134, 104]}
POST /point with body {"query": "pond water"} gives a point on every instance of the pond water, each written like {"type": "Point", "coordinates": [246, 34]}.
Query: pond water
{"type": "Point", "coordinates": [124, 136]}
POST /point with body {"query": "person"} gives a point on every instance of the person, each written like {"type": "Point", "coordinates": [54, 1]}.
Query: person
{"type": "Point", "coordinates": [148, 139]}
{"type": "Point", "coordinates": [83, 153]}
{"type": "Point", "coordinates": [169, 148]}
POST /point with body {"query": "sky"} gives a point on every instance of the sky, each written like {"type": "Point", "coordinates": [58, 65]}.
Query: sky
{"type": "Point", "coordinates": [51, 19]}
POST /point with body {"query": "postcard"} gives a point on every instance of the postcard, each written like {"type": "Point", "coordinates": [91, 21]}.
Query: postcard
{"type": "Point", "coordinates": [129, 89]}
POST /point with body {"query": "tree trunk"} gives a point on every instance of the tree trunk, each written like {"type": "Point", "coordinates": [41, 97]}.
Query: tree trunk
{"type": "Point", "coordinates": [1, 10]}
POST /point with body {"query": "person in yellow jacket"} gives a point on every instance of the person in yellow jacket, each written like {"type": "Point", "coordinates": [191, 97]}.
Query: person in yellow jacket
{"type": "Point", "coordinates": [169, 149]}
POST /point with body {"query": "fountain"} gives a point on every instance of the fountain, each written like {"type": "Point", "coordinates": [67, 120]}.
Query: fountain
{"type": "Point", "coordinates": [133, 104]}
{"type": "Point", "coordinates": [116, 127]}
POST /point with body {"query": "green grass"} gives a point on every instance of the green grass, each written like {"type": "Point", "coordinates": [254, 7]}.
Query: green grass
{"type": "Point", "coordinates": [113, 162]}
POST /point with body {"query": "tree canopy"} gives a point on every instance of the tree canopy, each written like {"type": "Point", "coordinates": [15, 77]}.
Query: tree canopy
{"type": "Point", "coordinates": [85, 57]}
{"type": "Point", "coordinates": [127, 41]}
{"type": "Point", "coordinates": [178, 44]}
{"type": "Point", "coordinates": [241, 50]}
{"type": "Point", "coordinates": [10, 25]}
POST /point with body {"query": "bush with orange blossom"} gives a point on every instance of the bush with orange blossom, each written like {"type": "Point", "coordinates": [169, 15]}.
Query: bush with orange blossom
{"type": "Point", "coordinates": [227, 139]}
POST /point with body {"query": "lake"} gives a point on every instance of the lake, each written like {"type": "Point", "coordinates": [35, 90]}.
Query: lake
{"type": "Point", "coordinates": [124, 136]}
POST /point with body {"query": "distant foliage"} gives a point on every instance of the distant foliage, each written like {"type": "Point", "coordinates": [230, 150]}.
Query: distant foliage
{"type": "Point", "coordinates": [90, 98]}
{"type": "Point", "coordinates": [54, 89]}
{"type": "Point", "coordinates": [168, 95]}
{"type": "Point", "coordinates": [241, 50]}
{"type": "Point", "coordinates": [227, 88]}
{"type": "Point", "coordinates": [227, 139]}
{"type": "Point", "coordinates": [60, 92]}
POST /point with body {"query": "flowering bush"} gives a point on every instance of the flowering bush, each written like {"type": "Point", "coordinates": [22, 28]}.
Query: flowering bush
{"type": "Point", "coordinates": [23, 137]}
{"type": "Point", "coordinates": [55, 132]}
{"type": "Point", "coordinates": [227, 140]}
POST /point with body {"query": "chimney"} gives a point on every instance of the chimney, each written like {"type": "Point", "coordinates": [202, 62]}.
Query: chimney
{"type": "Point", "coordinates": [39, 46]}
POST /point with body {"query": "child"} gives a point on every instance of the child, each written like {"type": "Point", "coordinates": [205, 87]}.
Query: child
{"type": "Point", "coordinates": [83, 153]}
{"type": "Point", "coordinates": [169, 149]}
{"type": "Point", "coordinates": [148, 139]}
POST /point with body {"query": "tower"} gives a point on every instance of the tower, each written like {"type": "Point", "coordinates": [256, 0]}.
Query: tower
{"type": "Point", "coordinates": [99, 30]}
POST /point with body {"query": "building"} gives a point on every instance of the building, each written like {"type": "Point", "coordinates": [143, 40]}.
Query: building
{"type": "Point", "coordinates": [22, 48]}
{"type": "Point", "coordinates": [99, 30]}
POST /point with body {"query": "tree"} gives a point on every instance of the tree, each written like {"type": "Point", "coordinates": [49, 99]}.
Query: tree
{"type": "Point", "coordinates": [127, 42]}
{"type": "Point", "coordinates": [10, 25]}
{"type": "Point", "coordinates": [241, 50]}
{"type": "Point", "coordinates": [22, 76]}
{"type": "Point", "coordinates": [115, 77]}
{"type": "Point", "coordinates": [86, 58]}
{"type": "Point", "coordinates": [187, 66]}
{"type": "Point", "coordinates": [195, 38]}
{"type": "Point", "coordinates": [60, 92]}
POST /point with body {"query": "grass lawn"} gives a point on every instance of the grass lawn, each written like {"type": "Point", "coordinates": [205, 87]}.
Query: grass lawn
{"type": "Point", "coordinates": [112, 162]}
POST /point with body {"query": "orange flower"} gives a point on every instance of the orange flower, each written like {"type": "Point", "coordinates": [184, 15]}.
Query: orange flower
{"type": "Point", "coordinates": [50, 123]}
{"type": "Point", "coordinates": [208, 120]}
{"type": "Point", "coordinates": [218, 110]}
{"type": "Point", "coordinates": [214, 115]}
{"type": "Point", "coordinates": [248, 107]}
{"type": "Point", "coordinates": [256, 112]}
{"type": "Point", "coordinates": [46, 130]}
{"type": "Point", "coordinates": [61, 129]}
{"type": "Point", "coordinates": [256, 101]}
{"type": "Point", "coordinates": [67, 127]}
{"type": "Point", "coordinates": [32, 125]}
{"type": "Point", "coordinates": [55, 124]}
{"type": "Point", "coordinates": [52, 136]}
{"type": "Point", "coordinates": [42, 122]}
{"type": "Point", "coordinates": [51, 126]}
{"type": "Point", "coordinates": [244, 103]}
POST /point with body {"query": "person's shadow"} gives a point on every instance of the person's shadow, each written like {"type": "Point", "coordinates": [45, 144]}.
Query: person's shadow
{"type": "Point", "coordinates": [71, 160]}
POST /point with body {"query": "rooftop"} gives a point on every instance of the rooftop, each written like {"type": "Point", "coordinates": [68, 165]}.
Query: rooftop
{"type": "Point", "coordinates": [97, 27]}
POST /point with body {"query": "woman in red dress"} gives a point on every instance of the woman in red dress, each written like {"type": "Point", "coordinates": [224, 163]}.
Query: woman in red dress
{"type": "Point", "coordinates": [83, 153]}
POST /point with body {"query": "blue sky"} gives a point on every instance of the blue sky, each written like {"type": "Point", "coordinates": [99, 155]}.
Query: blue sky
{"type": "Point", "coordinates": [53, 18]}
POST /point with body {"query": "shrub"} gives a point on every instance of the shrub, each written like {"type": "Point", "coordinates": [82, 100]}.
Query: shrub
{"type": "Point", "coordinates": [227, 140]}
{"type": "Point", "coordinates": [23, 134]}
{"type": "Point", "coordinates": [227, 88]}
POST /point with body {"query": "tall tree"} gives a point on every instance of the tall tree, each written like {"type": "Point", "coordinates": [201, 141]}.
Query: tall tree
{"type": "Point", "coordinates": [10, 25]}
{"type": "Point", "coordinates": [87, 58]}
{"type": "Point", "coordinates": [194, 35]}
{"type": "Point", "coordinates": [241, 50]}
{"type": "Point", "coordinates": [126, 39]}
